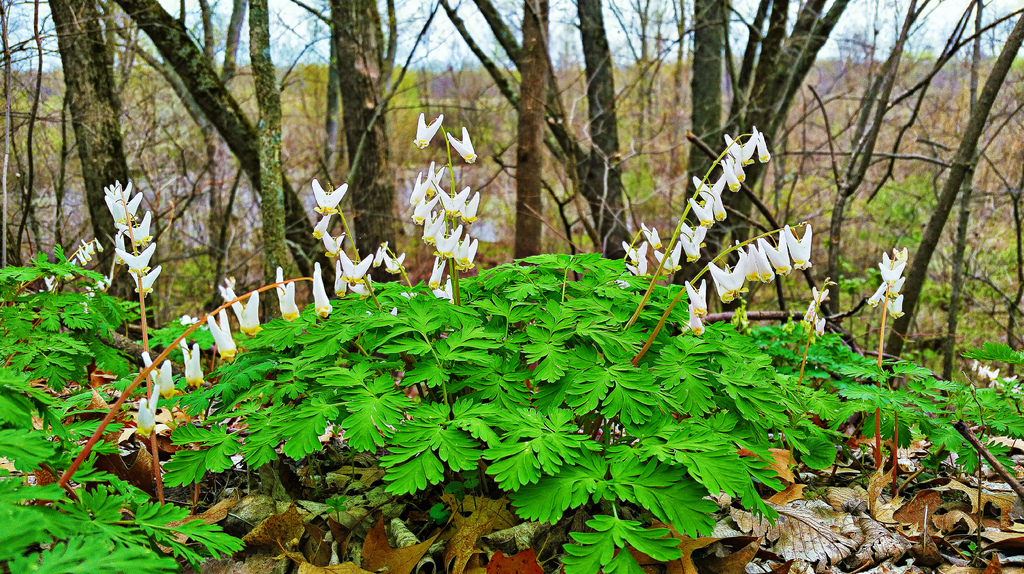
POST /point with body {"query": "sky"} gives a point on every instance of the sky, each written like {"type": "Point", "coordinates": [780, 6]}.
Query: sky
{"type": "Point", "coordinates": [300, 37]}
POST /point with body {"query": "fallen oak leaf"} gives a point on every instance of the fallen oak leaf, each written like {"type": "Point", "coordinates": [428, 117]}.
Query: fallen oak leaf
{"type": "Point", "coordinates": [378, 553]}
{"type": "Point", "coordinates": [687, 545]}
{"type": "Point", "coordinates": [283, 529]}
{"type": "Point", "coordinates": [524, 562]}
{"type": "Point", "coordinates": [306, 568]}
{"type": "Point", "coordinates": [462, 545]}
{"type": "Point", "coordinates": [735, 563]}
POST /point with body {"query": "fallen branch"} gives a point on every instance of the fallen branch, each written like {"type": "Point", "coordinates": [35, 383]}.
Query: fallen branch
{"type": "Point", "coordinates": [962, 428]}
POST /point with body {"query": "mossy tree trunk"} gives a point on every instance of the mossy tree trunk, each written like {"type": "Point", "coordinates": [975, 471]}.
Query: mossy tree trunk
{"type": "Point", "coordinates": [268, 98]}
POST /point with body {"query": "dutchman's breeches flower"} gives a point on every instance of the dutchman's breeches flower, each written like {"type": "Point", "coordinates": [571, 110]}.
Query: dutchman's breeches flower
{"type": "Point", "coordinates": [145, 420]}
{"type": "Point", "coordinates": [696, 325]}
{"type": "Point", "coordinates": [729, 283]}
{"type": "Point", "coordinates": [652, 236]}
{"type": "Point", "coordinates": [425, 133]}
{"type": "Point", "coordinates": [435, 274]}
{"type": "Point", "coordinates": [698, 298]}
{"type": "Point", "coordinates": [799, 249]}
{"type": "Point", "coordinates": [138, 264]}
{"type": "Point", "coordinates": [464, 147]}
{"type": "Point", "coordinates": [249, 319]}
{"type": "Point", "coordinates": [327, 202]}
{"type": "Point", "coordinates": [779, 257]}
{"type": "Point", "coordinates": [222, 336]}
{"type": "Point", "coordinates": [193, 365]}
{"type": "Point", "coordinates": [320, 301]}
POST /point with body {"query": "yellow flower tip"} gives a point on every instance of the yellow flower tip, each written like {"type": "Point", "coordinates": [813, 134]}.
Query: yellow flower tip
{"type": "Point", "coordinates": [471, 158]}
{"type": "Point", "coordinates": [290, 316]}
{"type": "Point", "coordinates": [317, 235]}
{"type": "Point", "coordinates": [422, 144]}
{"type": "Point", "coordinates": [252, 332]}
{"type": "Point", "coordinates": [324, 312]}
{"type": "Point", "coordinates": [194, 383]}
{"type": "Point", "coordinates": [168, 394]}
{"type": "Point", "coordinates": [228, 355]}
{"type": "Point", "coordinates": [144, 430]}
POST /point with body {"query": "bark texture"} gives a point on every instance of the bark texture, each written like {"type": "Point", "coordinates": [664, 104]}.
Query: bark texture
{"type": "Point", "coordinates": [530, 150]}
{"type": "Point", "coordinates": [95, 108]}
{"type": "Point", "coordinates": [962, 168]}
{"type": "Point", "coordinates": [268, 98]}
{"type": "Point", "coordinates": [222, 110]}
{"type": "Point", "coordinates": [359, 42]}
{"type": "Point", "coordinates": [601, 183]}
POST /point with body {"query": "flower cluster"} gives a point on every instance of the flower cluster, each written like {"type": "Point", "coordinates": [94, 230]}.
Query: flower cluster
{"type": "Point", "coordinates": [134, 245]}
{"type": "Point", "coordinates": [812, 317]}
{"type": "Point", "coordinates": [444, 215]}
{"type": "Point", "coordinates": [760, 259]}
{"type": "Point", "coordinates": [892, 282]}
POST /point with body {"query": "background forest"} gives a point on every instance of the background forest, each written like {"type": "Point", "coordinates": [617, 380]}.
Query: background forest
{"type": "Point", "coordinates": [865, 134]}
{"type": "Point", "coordinates": [567, 398]}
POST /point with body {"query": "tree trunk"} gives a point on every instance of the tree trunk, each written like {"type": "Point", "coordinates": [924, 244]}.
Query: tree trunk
{"type": "Point", "coordinates": [964, 219]}
{"type": "Point", "coordinates": [962, 168]}
{"type": "Point", "coordinates": [227, 71]}
{"type": "Point", "coordinates": [530, 151]}
{"type": "Point", "coordinates": [331, 119]}
{"type": "Point", "coordinates": [359, 41]}
{"type": "Point", "coordinates": [95, 109]}
{"type": "Point", "coordinates": [706, 101]}
{"type": "Point", "coordinates": [602, 180]}
{"type": "Point", "coordinates": [268, 98]}
{"type": "Point", "coordinates": [222, 110]}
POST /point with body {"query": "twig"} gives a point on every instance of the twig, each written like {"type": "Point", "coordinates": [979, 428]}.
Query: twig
{"type": "Point", "coordinates": [962, 428]}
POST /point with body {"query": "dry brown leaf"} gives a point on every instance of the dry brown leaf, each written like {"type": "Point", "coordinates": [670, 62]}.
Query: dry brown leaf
{"type": "Point", "coordinates": [462, 545]}
{"type": "Point", "coordinates": [913, 512]}
{"type": "Point", "coordinates": [285, 527]}
{"type": "Point", "coordinates": [378, 553]}
{"type": "Point", "coordinates": [843, 499]}
{"type": "Point", "coordinates": [524, 562]}
{"type": "Point", "coordinates": [687, 545]}
{"type": "Point", "coordinates": [470, 503]}
{"type": "Point", "coordinates": [791, 493]}
{"type": "Point", "coordinates": [735, 563]}
{"type": "Point", "coordinates": [812, 532]}
{"type": "Point", "coordinates": [994, 567]}
{"type": "Point", "coordinates": [781, 463]}
{"type": "Point", "coordinates": [307, 568]}
{"type": "Point", "coordinates": [1001, 500]}
{"type": "Point", "coordinates": [951, 520]}
{"type": "Point", "coordinates": [879, 545]}
{"type": "Point", "coordinates": [876, 483]}
{"type": "Point", "coordinates": [214, 514]}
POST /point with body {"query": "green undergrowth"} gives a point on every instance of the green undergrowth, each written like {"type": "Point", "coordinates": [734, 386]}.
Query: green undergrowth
{"type": "Point", "coordinates": [525, 390]}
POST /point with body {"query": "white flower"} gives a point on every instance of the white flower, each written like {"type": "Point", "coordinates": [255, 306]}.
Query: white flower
{"type": "Point", "coordinates": [819, 297]}
{"type": "Point", "coordinates": [692, 240]}
{"type": "Point", "coordinates": [891, 269]}
{"type": "Point", "coordinates": [698, 298]}
{"type": "Point", "coordinates": [435, 273]}
{"type": "Point", "coordinates": [731, 176]}
{"type": "Point", "coordinates": [459, 200]}
{"type": "Point", "coordinates": [120, 203]}
{"type": "Point", "coordinates": [332, 245]}
{"type": "Point", "coordinates": [896, 287]}
{"type": "Point", "coordinates": [361, 290]}
{"type": "Point", "coordinates": [425, 133]}
{"type": "Point", "coordinates": [165, 379]}
{"type": "Point", "coordinates": [138, 264]}
{"type": "Point", "coordinates": [799, 250]}
{"type": "Point", "coordinates": [353, 272]}
{"type": "Point", "coordinates": [762, 147]}
{"type": "Point", "coordinates": [819, 326]}
{"type": "Point", "coordinates": [445, 293]}
{"type": "Point", "coordinates": [118, 247]}
{"type": "Point", "coordinates": [187, 320]}
{"type": "Point", "coordinates": [466, 253]}
{"type": "Point", "coordinates": [762, 266]}
{"type": "Point", "coordinates": [729, 283]}
{"type": "Point", "coordinates": [322, 227]}
{"type": "Point", "coordinates": [327, 202]}
{"type": "Point", "coordinates": [249, 318]}
{"type": "Point", "coordinates": [140, 234]}
{"type": "Point", "coordinates": [419, 191]}
{"type": "Point", "coordinates": [222, 336]}
{"type": "Point", "coordinates": [622, 284]}
{"type": "Point", "coordinates": [446, 245]}
{"type": "Point", "coordinates": [779, 257]}
{"type": "Point", "coordinates": [896, 307]}
{"type": "Point", "coordinates": [145, 420]}
{"type": "Point", "coordinates": [147, 280]}
{"type": "Point", "coordinates": [469, 212]}
{"type": "Point", "coordinates": [320, 301]}
{"type": "Point", "coordinates": [394, 266]}
{"type": "Point", "coordinates": [811, 314]}
{"type": "Point", "coordinates": [434, 179]}
{"type": "Point", "coordinates": [464, 147]}
{"type": "Point", "coordinates": [382, 252]}
{"type": "Point", "coordinates": [672, 263]}
{"type": "Point", "coordinates": [875, 299]}
{"type": "Point", "coordinates": [423, 211]}
{"type": "Point", "coordinates": [652, 236]}
{"type": "Point", "coordinates": [704, 213]}
{"type": "Point", "coordinates": [433, 229]}
{"type": "Point", "coordinates": [286, 298]}
{"type": "Point", "coordinates": [193, 365]}
{"type": "Point", "coordinates": [340, 285]}
{"type": "Point", "coordinates": [717, 207]}
{"type": "Point", "coordinates": [639, 259]}
{"type": "Point", "coordinates": [696, 325]}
